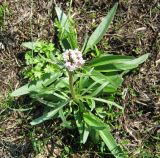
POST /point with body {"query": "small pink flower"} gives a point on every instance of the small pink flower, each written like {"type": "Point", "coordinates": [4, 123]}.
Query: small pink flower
{"type": "Point", "coordinates": [73, 59]}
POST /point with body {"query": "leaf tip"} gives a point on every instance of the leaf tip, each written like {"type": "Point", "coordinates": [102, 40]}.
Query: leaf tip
{"type": "Point", "coordinates": [32, 123]}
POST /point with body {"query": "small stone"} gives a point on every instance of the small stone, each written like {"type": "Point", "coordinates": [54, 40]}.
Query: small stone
{"type": "Point", "coordinates": [2, 47]}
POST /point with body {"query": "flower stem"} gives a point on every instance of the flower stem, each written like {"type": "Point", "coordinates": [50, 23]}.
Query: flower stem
{"type": "Point", "coordinates": [71, 85]}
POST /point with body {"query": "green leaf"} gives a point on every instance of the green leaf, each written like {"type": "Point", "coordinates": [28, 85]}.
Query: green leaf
{"type": "Point", "coordinates": [99, 77]}
{"type": "Point", "coordinates": [101, 111]}
{"type": "Point", "coordinates": [85, 133]}
{"type": "Point", "coordinates": [109, 59]}
{"type": "Point", "coordinates": [84, 80]}
{"type": "Point", "coordinates": [36, 86]}
{"type": "Point", "coordinates": [99, 89]}
{"type": "Point", "coordinates": [65, 122]}
{"type": "Point", "coordinates": [104, 132]}
{"type": "Point", "coordinates": [138, 60]}
{"type": "Point", "coordinates": [48, 103]}
{"type": "Point", "coordinates": [117, 79]}
{"type": "Point", "coordinates": [101, 29]}
{"type": "Point", "coordinates": [97, 51]}
{"type": "Point", "coordinates": [29, 45]}
{"type": "Point", "coordinates": [93, 121]}
{"type": "Point", "coordinates": [62, 83]}
{"type": "Point", "coordinates": [91, 103]}
{"type": "Point", "coordinates": [114, 80]}
{"type": "Point", "coordinates": [67, 32]}
{"type": "Point", "coordinates": [49, 115]}
{"type": "Point", "coordinates": [103, 101]}
{"type": "Point", "coordinates": [61, 96]}
{"type": "Point", "coordinates": [120, 65]}
{"type": "Point", "coordinates": [89, 88]}
{"type": "Point", "coordinates": [80, 124]}
{"type": "Point", "coordinates": [85, 43]}
{"type": "Point", "coordinates": [62, 17]}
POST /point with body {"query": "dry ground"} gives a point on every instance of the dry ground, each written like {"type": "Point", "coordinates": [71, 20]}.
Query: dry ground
{"type": "Point", "coordinates": [134, 31]}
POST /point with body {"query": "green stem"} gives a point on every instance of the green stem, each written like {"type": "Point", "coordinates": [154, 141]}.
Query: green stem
{"type": "Point", "coordinates": [71, 85]}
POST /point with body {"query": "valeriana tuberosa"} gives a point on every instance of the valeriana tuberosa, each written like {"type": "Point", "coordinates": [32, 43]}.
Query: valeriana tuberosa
{"type": "Point", "coordinates": [73, 59]}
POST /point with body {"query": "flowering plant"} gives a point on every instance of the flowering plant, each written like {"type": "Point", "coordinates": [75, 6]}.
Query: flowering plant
{"type": "Point", "coordinates": [79, 91]}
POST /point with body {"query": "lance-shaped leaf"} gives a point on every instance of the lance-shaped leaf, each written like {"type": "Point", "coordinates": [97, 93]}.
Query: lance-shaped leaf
{"type": "Point", "coordinates": [101, 29]}
{"type": "Point", "coordinates": [68, 35]}
{"type": "Point", "coordinates": [104, 132]}
{"type": "Point", "coordinates": [35, 86]}
{"type": "Point", "coordinates": [109, 59]}
{"type": "Point", "coordinates": [110, 103]}
{"type": "Point", "coordinates": [62, 17]}
{"type": "Point", "coordinates": [114, 80]}
{"type": "Point", "coordinates": [50, 114]}
{"type": "Point", "coordinates": [29, 45]}
{"type": "Point", "coordinates": [117, 63]}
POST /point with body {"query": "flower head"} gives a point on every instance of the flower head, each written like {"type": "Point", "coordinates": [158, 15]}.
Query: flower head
{"type": "Point", "coordinates": [73, 59]}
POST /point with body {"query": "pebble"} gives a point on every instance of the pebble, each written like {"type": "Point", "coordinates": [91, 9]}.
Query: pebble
{"type": "Point", "coordinates": [2, 46]}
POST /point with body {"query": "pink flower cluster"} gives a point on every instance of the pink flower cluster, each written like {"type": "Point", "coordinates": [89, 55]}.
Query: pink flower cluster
{"type": "Point", "coordinates": [73, 59]}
